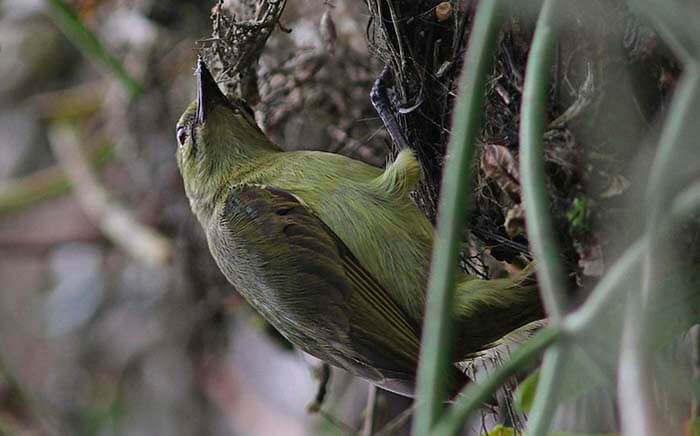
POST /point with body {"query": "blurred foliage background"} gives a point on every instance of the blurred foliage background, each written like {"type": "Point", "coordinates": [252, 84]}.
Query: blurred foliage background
{"type": "Point", "coordinates": [111, 309]}
{"type": "Point", "coordinates": [114, 320]}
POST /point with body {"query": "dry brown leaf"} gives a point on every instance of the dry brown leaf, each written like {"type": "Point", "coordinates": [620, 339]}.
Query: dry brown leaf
{"type": "Point", "coordinates": [616, 186]}
{"type": "Point", "coordinates": [591, 258]}
{"type": "Point", "coordinates": [498, 163]}
{"type": "Point", "coordinates": [515, 221]}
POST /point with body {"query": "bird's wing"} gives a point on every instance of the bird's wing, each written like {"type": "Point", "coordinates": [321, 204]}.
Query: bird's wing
{"type": "Point", "coordinates": [306, 282]}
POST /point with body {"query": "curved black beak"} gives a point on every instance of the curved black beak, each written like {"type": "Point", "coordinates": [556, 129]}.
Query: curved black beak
{"type": "Point", "coordinates": [208, 92]}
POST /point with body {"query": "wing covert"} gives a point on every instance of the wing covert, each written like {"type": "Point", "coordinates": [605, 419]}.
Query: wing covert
{"type": "Point", "coordinates": [304, 280]}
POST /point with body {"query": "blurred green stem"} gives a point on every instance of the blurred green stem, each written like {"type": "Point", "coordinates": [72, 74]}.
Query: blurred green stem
{"type": "Point", "coordinates": [548, 389]}
{"type": "Point", "coordinates": [540, 230]}
{"type": "Point", "coordinates": [475, 395]}
{"type": "Point", "coordinates": [685, 205]}
{"type": "Point", "coordinates": [606, 290]}
{"type": "Point", "coordinates": [453, 210]}
{"type": "Point", "coordinates": [68, 21]}
{"type": "Point", "coordinates": [640, 414]}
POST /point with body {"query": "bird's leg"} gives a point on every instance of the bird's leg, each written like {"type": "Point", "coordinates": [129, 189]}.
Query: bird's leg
{"type": "Point", "coordinates": [385, 108]}
{"type": "Point", "coordinates": [323, 373]}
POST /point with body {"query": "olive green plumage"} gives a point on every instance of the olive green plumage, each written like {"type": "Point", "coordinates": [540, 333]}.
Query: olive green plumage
{"type": "Point", "coordinates": [331, 251]}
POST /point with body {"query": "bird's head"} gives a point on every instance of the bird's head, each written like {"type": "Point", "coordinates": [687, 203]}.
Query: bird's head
{"type": "Point", "coordinates": [215, 134]}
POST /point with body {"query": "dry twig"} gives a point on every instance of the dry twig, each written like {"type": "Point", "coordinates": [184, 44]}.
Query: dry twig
{"type": "Point", "coordinates": [115, 221]}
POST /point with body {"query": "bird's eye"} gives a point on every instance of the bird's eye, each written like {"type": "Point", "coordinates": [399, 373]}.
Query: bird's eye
{"type": "Point", "coordinates": [242, 105]}
{"type": "Point", "coordinates": [181, 134]}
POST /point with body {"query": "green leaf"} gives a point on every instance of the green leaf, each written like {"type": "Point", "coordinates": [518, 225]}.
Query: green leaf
{"type": "Point", "coordinates": [70, 24]}
{"type": "Point", "coordinates": [499, 430]}
{"type": "Point", "coordinates": [525, 394]}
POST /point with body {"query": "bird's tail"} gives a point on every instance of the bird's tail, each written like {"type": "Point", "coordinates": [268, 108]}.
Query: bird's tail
{"type": "Point", "coordinates": [488, 310]}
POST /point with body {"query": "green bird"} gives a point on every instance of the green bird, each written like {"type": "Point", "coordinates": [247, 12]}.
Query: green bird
{"type": "Point", "coordinates": [331, 251]}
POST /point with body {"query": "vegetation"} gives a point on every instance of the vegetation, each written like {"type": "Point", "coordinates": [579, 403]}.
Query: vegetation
{"type": "Point", "coordinates": [561, 132]}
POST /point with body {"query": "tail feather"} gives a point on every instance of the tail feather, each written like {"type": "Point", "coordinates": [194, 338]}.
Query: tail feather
{"type": "Point", "coordinates": [488, 310]}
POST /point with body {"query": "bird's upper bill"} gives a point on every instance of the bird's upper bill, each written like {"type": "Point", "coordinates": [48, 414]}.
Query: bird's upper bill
{"type": "Point", "coordinates": [208, 93]}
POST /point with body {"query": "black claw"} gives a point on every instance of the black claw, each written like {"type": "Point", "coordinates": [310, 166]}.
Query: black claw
{"type": "Point", "coordinates": [382, 104]}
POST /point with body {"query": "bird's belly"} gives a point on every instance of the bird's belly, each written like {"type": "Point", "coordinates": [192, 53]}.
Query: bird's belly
{"type": "Point", "coordinates": [314, 328]}
{"type": "Point", "coordinates": [272, 299]}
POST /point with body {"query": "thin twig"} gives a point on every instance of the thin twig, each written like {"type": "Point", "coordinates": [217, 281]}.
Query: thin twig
{"type": "Point", "coordinates": [337, 422]}
{"type": "Point", "coordinates": [396, 422]}
{"type": "Point", "coordinates": [368, 425]}
{"type": "Point", "coordinates": [20, 193]}
{"type": "Point", "coordinates": [115, 221]}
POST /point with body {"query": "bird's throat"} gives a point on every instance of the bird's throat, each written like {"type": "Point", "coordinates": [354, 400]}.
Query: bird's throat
{"type": "Point", "coordinates": [208, 187]}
